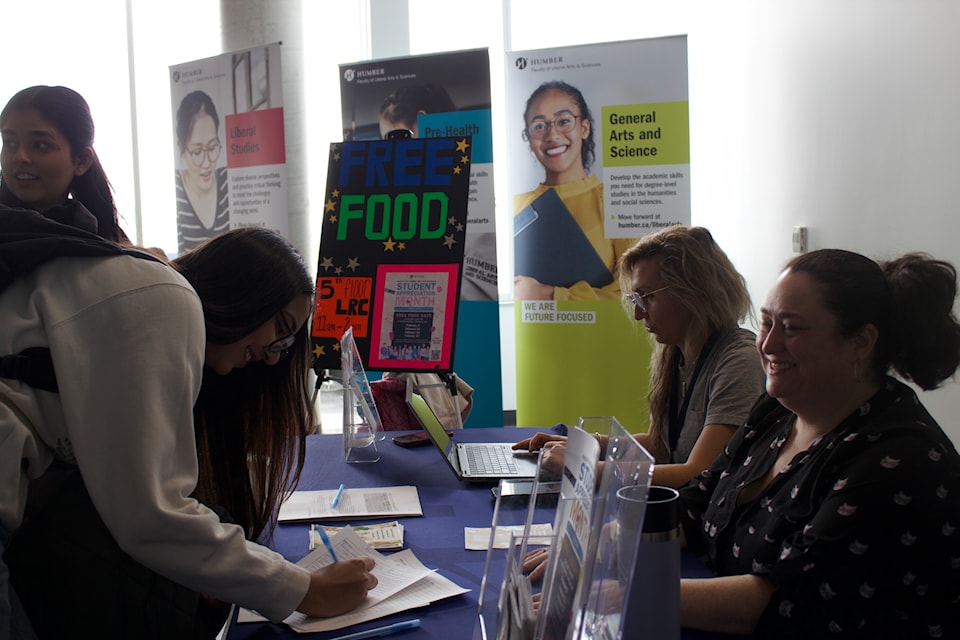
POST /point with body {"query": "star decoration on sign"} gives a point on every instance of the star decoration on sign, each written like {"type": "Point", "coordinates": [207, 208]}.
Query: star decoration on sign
{"type": "Point", "coordinates": [451, 221]}
{"type": "Point", "coordinates": [329, 206]}
{"type": "Point", "coordinates": [448, 241]}
{"type": "Point", "coordinates": [457, 170]}
{"type": "Point", "coordinates": [353, 264]}
{"type": "Point", "coordinates": [389, 244]}
{"type": "Point", "coordinates": [460, 227]}
{"type": "Point", "coordinates": [338, 270]}
{"type": "Point", "coordinates": [318, 350]}
{"type": "Point", "coordinates": [464, 160]}
{"type": "Point", "coordinates": [401, 246]}
{"type": "Point", "coordinates": [336, 346]}
{"type": "Point", "coordinates": [462, 145]}
{"type": "Point", "coordinates": [327, 263]}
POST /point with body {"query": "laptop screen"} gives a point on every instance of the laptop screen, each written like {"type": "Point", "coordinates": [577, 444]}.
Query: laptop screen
{"type": "Point", "coordinates": [428, 419]}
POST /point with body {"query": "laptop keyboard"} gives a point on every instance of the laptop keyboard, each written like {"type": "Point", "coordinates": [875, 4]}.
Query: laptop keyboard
{"type": "Point", "coordinates": [490, 460]}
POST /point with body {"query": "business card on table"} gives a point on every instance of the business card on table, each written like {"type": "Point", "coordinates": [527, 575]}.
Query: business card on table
{"type": "Point", "coordinates": [478, 538]}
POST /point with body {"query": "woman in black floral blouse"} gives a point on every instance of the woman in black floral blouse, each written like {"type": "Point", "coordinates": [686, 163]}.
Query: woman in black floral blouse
{"type": "Point", "coordinates": [834, 511]}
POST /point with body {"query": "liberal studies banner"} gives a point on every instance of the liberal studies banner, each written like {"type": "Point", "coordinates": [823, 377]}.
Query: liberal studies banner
{"type": "Point", "coordinates": [230, 155]}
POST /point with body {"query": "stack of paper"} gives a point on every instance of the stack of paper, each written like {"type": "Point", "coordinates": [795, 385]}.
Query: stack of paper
{"type": "Point", "coordinates": [404, 584]}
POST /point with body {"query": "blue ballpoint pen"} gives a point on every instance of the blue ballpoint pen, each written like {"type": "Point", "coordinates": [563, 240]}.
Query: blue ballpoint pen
{"type": "Point", "coordinates": [336, 498]}
{"type": "Point", "coordinates": [390, 629]}
{"type": "Point", "coordinates": [326, 542]}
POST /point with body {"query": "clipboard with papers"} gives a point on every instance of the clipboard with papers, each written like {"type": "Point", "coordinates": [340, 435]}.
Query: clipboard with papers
{"type": "Point", "coordinates": [550, 246]}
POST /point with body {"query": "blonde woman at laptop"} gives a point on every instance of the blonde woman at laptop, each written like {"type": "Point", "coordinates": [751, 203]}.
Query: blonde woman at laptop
{"type": "Point", "coordinates": [558, 127]}
{"type": "Point", "coordinates": [704, 373]}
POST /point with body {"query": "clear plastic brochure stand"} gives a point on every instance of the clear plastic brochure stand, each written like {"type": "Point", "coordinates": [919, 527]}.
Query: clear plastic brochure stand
{"type": "Point", "coordinates": [586, 555]}
{"type": "Point", "coordinates": [362, 427]}
{"type": "Point", "coordinates": [522, 522]}
{"type": "Point", "coordinates": [617, 527]}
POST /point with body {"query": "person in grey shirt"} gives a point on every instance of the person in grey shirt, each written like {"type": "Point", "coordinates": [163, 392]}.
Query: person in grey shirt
{"type": "Point", "coordinates": [705, 374]}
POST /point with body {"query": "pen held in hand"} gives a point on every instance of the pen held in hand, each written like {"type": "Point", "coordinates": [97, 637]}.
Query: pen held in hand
{"type": "Point", "coordinates": [336, 498]}
{"type": "Point", "coordinates": [326, 542]}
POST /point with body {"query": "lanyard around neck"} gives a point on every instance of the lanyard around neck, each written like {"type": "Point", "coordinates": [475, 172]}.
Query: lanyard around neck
{"type": "Point", "coordinates": [679, 416]}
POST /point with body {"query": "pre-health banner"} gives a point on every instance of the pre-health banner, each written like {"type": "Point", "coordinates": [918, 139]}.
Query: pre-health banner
{"type": "Point", "coordinates": [432, 96]}
{"type": "Point", "coordinates": [230, 155]}
{"type": "Point", "coordinates": [599, 157]}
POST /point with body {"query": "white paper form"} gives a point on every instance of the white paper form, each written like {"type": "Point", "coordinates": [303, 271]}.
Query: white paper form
{"type": "Point", "coordinates": [404, 583]}
{"type": "Point", "coordinates": [429, 589]}
{"type": "Point", "coordinates": [354, 503]}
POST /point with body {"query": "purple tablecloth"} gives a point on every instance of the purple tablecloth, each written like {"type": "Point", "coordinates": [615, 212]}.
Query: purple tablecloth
{"type": "Point", "coordinates": [437, 538]}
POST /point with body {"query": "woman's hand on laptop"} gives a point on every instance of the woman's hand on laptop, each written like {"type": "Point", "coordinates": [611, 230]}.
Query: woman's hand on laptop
{"type": "Point", "coordinates": [554, 448]}
{"type": "Point", "coordinates": [537, 442]}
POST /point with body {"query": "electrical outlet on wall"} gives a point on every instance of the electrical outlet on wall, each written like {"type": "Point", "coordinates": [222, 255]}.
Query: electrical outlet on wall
{"type": "Point", "coordinates": [799, 239]}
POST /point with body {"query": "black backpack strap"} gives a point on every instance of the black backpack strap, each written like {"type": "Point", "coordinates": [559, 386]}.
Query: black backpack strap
{"type": "Point", "coordinates": [29, 239]}
{"type": "Point", "coordinates": [33, 366]}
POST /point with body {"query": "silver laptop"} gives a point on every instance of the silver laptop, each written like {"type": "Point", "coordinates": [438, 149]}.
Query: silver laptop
{"type": "Point", "coordinates": [471, 461]}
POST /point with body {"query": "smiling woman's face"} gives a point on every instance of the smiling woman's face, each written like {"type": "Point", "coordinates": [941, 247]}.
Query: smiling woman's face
{"type": "Point", "coordinates": [807, 361]}
{"type": "Point", "coordinates": [558, 152]}
{"type": "Point", "coordinates": [201, 152]}
{"type": "Point", "coordinates": [37, 162]}
{"type": "Point", "coordinates": [224, 358]}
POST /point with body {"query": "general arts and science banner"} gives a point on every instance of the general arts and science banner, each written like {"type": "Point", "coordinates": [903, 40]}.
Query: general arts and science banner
{"type": "Point", "coordinates": [598, 141]}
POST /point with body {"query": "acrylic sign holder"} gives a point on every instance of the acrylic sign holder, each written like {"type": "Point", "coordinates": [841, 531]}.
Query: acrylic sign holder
{"type": "Point", "coordinates": [362, 427]}
{"type": "Point", "coordinates": [583, 589]}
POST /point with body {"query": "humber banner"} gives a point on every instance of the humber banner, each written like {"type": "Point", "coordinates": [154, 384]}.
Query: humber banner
{"type": "Point", "coordinates": [439, 96]}
{"type": "Point", "coordinates": [598, 141]}
{"type": "Point", "coordinates": [230, 155]}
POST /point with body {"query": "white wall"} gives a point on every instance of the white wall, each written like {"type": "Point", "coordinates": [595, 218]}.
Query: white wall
{"type": "Point", "coordinates": [840, 116]}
